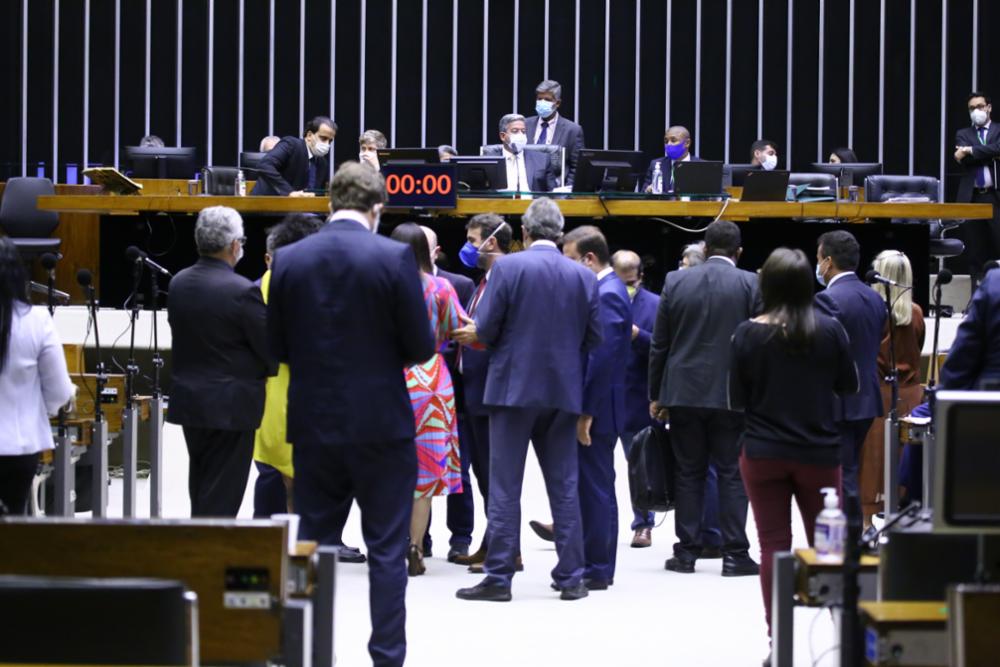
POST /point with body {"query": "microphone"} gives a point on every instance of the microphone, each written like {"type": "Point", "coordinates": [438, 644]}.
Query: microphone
{"type": "Point", "coordinates": [874, 276]}
{"type": "Point", "coordinates": [944, 277]}
{"type": "Point", "coordinates": [133, 254]}
{"type": "Point", "coordinates": [84, 278]}
{"type": "Point", "coordinates": [48, 261]}
{"type": "Point", "coordinates": [39, 288]}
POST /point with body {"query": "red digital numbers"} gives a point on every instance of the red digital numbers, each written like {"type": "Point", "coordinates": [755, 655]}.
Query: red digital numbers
{"type": "Point", "coordinates": [408, 184]}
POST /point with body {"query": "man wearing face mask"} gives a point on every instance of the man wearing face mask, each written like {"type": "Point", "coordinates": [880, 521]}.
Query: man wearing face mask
{"type": "Point", "coordinates": [549, 127]}
{"type": "Point", "coordinates": [676, 148]}
{"type": "Point", "coordinates": [221, 363]}
{"type": "Point", "coordinates": [295, 167]}
{"type": "Point", "coordinates": [369, 144]}
{"type": "Point", "coordinates": [977, 148]}
{"type": "Point", "coordinates": [764, 154]}
{"type": "Point", "coordinates": [527, 171]}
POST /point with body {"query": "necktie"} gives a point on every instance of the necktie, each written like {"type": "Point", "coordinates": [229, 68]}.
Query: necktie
{"type": "Point", "coordinates": [545, 132]}
{"type": "Point", "coordinates": [517, 171]}
{"type": "Point", "coordinates": [311, 180]}
{"type": "Point", "coordinates": [981, 171]}
{"type": "Point", "coordinates": [473, 304]}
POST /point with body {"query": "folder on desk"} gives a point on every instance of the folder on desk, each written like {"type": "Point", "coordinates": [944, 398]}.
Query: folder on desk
{"type": "Point", "coordinates": [113, 180]}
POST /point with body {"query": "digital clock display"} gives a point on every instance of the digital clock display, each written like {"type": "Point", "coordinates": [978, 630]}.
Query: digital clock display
{"type": "Point", "coordinates": [420, 185]}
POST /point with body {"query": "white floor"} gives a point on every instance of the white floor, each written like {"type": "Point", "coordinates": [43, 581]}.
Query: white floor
{"type": "Point", "coordinates": [649, 617]}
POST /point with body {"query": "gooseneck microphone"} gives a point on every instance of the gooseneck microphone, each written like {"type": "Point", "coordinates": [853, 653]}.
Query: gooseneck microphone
{"type": "Point", "coordinates": [133, 254]}
{"type": "Point", "coordinates": [48, 261]}
{"type": "Point", "coordinates": [874, 276]}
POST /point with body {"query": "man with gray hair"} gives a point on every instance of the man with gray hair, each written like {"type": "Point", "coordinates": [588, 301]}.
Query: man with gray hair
{"type": "Point", "coordinates": [549, 128]}
{"type": "Point", "coordinates": [539, 317]}
{"type": "Point", "coordinates": [527, 171]}
{"type": "Point", "coordinates": [218, 324]}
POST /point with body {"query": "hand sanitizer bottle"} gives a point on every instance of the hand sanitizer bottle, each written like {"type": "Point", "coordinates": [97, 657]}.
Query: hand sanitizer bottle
{"type": "Point", "coordinates": [831, 527]}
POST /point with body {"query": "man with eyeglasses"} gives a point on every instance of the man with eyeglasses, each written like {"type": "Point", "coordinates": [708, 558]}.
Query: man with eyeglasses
{"type": "Point", "coordinates": [977, 148]}
{"type": "Point", "coordinates": [220, 360]}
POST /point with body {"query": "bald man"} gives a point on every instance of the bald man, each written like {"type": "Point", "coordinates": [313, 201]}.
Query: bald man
{"type": "Point", "coordinates": [461, 510]}
{"type": "Point", "coordinates": [676, 148]}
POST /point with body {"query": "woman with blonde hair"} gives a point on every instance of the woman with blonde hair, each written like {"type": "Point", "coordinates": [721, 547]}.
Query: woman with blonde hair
{"type": "Point", "coordinates": [908, 322]}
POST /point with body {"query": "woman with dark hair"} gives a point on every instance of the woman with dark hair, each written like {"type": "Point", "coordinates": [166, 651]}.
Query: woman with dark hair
{"type": "Point", "coordinates": [439, 469]}
{"type": "Point", "coordinates": [785, 367]}
{"type": "Point", "coordinates": [34, 382]}
{"type": "Point", "coordinates": [842, 154]}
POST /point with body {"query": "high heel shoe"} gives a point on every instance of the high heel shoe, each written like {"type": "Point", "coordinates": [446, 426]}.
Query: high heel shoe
{"type": "Point", "coordinates": [415, 561]}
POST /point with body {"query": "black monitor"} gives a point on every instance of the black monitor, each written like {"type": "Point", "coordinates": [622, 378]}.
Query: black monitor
{"type": "Point", "coordinates": [853, 173]}
{"type": "Point", "coordinates": [408, 156]}
{"type": "Point", "coordinates": [738, 173]}
{"type": "Point", "coordinates": [162, 162]}
{"type": "Point", "coordinates": [602, 171]}
{"type": "Point", "coordinates": [480, 173]}
{"type": "Point", "coordinates": [966, 469]}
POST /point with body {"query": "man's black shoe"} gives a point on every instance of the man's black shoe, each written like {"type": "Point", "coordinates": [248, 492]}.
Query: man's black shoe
{"type": "Point", "coordinates": [710, 553]}
{"type": "Point", "coordinates": [597, 584]}
{"type": "Point", "coordinates": [347, 554]}
{"type": "Point", "coordinates": [577, 592]}
{"type": "Point", "coordinates": [739, 566]}
{"type": "Point", "coordinates": [682, 565]}
{"type": "Point", "coordinates": [485, 591]}
{"type": "Point", "coordinates": [457, 552]}
{"type": "Point", "coordinates": [543, 530]}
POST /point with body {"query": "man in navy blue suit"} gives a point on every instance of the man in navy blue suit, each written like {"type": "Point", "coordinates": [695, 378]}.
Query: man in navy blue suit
{"type": "Point", "coordinates": [862, 313]}
{"type": "Point", "coordinates": [526, 170]}
{"type": "Point", "coordinates": [539, 316]}
{"type": "Point", "coordinates": [349, 415]}
{"type": "Point", "coordinates": [676, 148]}
{"type": "Point", "coordinates": [550, 127]}
{"type": "Point", "coordinates": [974, 357]}
{"type": "Point", "coordinates": [296, 165]}
{"type": "Point", "coordinates": [603, 415]}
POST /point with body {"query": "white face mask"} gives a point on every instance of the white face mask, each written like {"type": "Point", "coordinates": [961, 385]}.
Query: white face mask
{"type": "Point", "coordinates": [769, 162]}
{"type": "Point", "coordinates": [978, 117]}
{"type": "Point", "coordinates": [517, 141]}
{"type": "Point", "coordinates": [320, 148]}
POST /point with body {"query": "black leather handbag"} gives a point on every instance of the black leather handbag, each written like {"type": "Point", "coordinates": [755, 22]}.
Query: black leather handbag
{"type": "Point", "coordinates": [651, 470]}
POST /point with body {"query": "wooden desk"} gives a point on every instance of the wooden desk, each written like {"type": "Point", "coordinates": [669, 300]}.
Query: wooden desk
{"type": "Point", "coordinates": [905, 633]}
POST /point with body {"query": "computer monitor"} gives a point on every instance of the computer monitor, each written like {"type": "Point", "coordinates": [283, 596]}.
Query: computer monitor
{"type": "Point", "coordinates": [966, 490]}
{"type": "Point", "coordinates": [737, 173]}
{"type": "Point", "coordinates": [602, 171]}
{"type": "Point", "coordinates": [763, 185]}
{"type": "Point", "coordinates": [162, 162]}
{"type": "Point", "coordinates": [408, 156]}
{"type": "Point", "coordinates": [480, 173]}
{"type": "Point", "coordinates": [854, 173]}
{"type": "Point", "coordinates": [698, 178]}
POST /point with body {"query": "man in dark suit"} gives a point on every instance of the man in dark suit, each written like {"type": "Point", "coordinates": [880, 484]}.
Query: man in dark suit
{"type": "Point", "coordinates": [526, 170]}
{"type": "Point", "coordinates": [349, 415]}
{"type": "Point", "coordinates": [676, 148]}
{"type": "Point", "coordinates": [699, 309]}
{"type": "Point", "coordinates": [540, 316]}
{"type": "Point", "coordinates": [974, 357]}
{"type": "Point", "coordinates": [217, 318]}
{"type": "Point", "coordinates": [977, 148]}
{"type": "Point", "coordinates": [549, 127]}
{"type": "Point", "coordinates": [295, 165]}
{"type": "Point", "coordinates": [862, 313]}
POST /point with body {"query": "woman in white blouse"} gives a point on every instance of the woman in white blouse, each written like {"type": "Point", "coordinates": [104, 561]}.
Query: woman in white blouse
{"type": "Point", "coordinates": [34, 382]}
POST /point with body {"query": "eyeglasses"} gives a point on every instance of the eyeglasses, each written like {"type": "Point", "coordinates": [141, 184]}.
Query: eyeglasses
{"type": "Point", "coordinates": [242, 240]}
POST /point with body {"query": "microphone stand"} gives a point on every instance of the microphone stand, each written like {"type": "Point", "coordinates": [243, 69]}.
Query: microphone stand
{"type": "Point", "coordinates": [930, 394]}
{"type": "Point", "coordinates": [156, 406]}
{"type": "Point", "coordinates": [63, 479]}
{"type": "Point", "coordinates": [891, 439]}
{"type": "Point", "coordinates": [130, 414]}
{"type": "Point", "coordinates": [99, 443]}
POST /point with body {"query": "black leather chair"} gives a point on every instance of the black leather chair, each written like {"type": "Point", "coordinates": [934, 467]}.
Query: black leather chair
{"type": "Point", "coordinates": [20, 219]}
{"type": "Point", "coordinates": [219, 181]}
{"type": "Point", "coordinates": [68, 620]}
{"type": "Point", "coordinates": [823, 185]}
{"type": "Point", "coordinates": [557, 156]}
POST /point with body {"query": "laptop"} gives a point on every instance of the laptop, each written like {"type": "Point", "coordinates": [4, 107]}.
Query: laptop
{"type": "Point", "coordinates": [698, 178]}
{"type": "Point", "coordinates": [765, 186]}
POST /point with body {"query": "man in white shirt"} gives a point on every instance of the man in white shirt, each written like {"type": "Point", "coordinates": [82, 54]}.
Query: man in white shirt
{"type": "Point", "coordinates": [550, 128]}
{"type": "Point", "coordinates": [527, 171]}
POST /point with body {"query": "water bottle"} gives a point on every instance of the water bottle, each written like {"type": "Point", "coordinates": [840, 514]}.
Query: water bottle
{"type": "Point", "coordinates": [657, 179]}
{"type": "Point", "coordinates": [831, 528]}
{"type": "Point", "coordinates": [241, 184]}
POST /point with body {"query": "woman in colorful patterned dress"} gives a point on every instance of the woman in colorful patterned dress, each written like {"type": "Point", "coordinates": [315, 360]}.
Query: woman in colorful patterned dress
{"type": "Point", "coordinates": [439, 470]}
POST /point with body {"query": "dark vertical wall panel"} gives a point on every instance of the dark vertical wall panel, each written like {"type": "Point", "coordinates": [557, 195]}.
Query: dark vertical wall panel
{"type": "Point", "coordinates": [470, 78]}
{"type": "Point", "coordinates": [133, 74]}
{"type": "Point", "coordinates": [682, 66]}
{"type": "Point", "coordinates": [409, 58]}
{"type": "Point", "coordinates": [255, 73]}
{"type": "Point", "coordinates": [621, 87]}
{"type": "Point", "coordinates": [102, 81]}
{"type": "Point", "coordinates": [500, 71]}
{"type": "Point", "coordinates": [897, 87]}
{"type": "Point", "coordinates": [70, 118]}
{"type": "Point", "coordinates": [439, 91]}
{"type": "Point", "coordinates": [775, 85]}
{"type": "Point", "coordinates": [805, 88]}
{"type": "Point", "coordinates": [225, 82]}
{"type": "Point", "coordinates": [713, 79]}
{"type": "Point", "coordinates": [163, 71]}
{"type": "Point", "coordinates": [743, 95]}
{"type": "Point", "coordinates": [317, 88]}
{"type": "Point", "coordinates": [562, 56]}
{"type": "Point", "coordinates": [194, 131]}
{"type": "Point", "coordinates": [378, 54]}
{"type": "Point", "coordinates": [348, 80]}
{"type": "Point", "coordinates": [653, 21]}
{"type": "Point", "coordinates": [40, 15]}
{"type": "Point", "coordinates": [531, 65]}
{"type": "Point", "coordinates": [866, 54]}
{"type": "Point", "coordinates": [591, 113]}
{"type": "Point", "coordinates": [927, 147]}
{"type": "Point", "coordinates": [286, 68]}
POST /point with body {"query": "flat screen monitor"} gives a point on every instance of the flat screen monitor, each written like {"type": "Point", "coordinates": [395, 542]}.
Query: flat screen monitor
{"type": "Point", "coordinates": [408, 156]}
{"type": "Point", "coordinates": [763, 185]}
{"type": "Point", "coordinates": [162, 162]}
{"type": "Point", "coordinates": [603, 171]}
{"type": "Point", "coordinates": [480, 173]}
{"type": "Point", "coordinates": [702, 178]}
{"type": "Point", "coordinates": [737, 173]}
{"type": "Point", "coordinates": [853, 172]}
{"type": "Point", "coordinates": [966, 473]}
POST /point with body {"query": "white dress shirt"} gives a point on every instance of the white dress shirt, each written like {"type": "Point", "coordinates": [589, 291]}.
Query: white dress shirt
{"type": "Point", "coordinates": [517, 177]}
{"type": "Point", "coordinates": [551, 128]}
{"type": "Point", "coordinates": [987, 172]}
{"type": "Point", "coordinates": [603, 272]}
{"type": "Point", "coordinates": [34, 383]}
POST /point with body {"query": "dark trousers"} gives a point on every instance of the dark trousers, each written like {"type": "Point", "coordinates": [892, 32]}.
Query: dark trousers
{"type": "Point", "coordinates": [218, 470]}
{"type": "Point", "coordinates": [553, 434]}
{"type": "Point", "coordinates": [852, 437]}
{"type": "Point", "coordinates": [381, 477]}
{"type": "Point", "coordinates": [269, 493]}
{"type": "Point", "coordinates": [771, 485]}
{"type": "Point", "coordinates": [461, 506]}
{"type": "Point", "coordinates": [477, 432]}
{"type": "Point", "coordinates": [598, 506]}
{"type": "Point", "coordinates": [701, 436]}
{"type": "Point", "coordinates": [16, 474]}
{"type": "Point", "coordinates": [982, 237]}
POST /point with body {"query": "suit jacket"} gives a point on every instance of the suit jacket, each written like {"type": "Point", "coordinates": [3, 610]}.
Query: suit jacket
{"type": "Point", "coordinates": [862, 313]}
{"type": "Point", "coordinates": [982, 155]}
{"type": "Point", "coordinates": [699, 309]}
{"type": "Point", "coordinates": [539, 316]}
{"type": "Point", "coordinates": [637, 373]}
{"type": "Point", "coordinates": [220, 358]}
{"type": "Point", "coordinates": [464, 288]}
{"type": "Point", "coordinates": [538, 169]}
{"type": "Point", "coordinates": [568, 134]}
{"type": "Point", "coordinates": [666, 164]}
{"type": "Point", "coordinates": [604, 380]}
{"type": "Point", "coordinates": [346, 311]}
{"type": "Point", "coordinates": [975, 354]}
{"type": "Point", "coordinates": [475, 367]}
{"type": "Point", "coordinates": [285, 168]}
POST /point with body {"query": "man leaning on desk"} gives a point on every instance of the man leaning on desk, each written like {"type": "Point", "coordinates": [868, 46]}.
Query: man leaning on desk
{"type": "Point", "coordinates": [296, 166]}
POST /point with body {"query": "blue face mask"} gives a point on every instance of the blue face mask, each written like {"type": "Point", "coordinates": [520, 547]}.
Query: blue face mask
{"type": "Point", "coordinates": [544, 108]}
{"type": "Point", "coordinates": [819, 276]}
{"type": "Point", "coordinates": [469, 255]}
{"type": "Point", "coordinates": [674, 151]}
